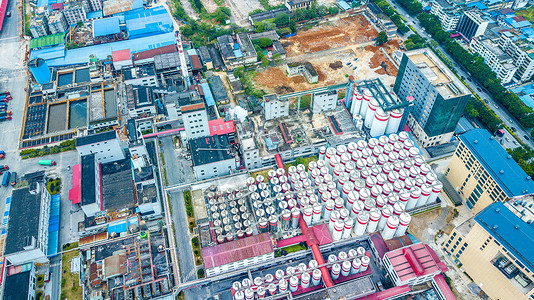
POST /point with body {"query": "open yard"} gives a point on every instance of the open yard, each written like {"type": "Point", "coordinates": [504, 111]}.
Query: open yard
{"type": "Point", "coordinates": [336, 49]}
{"type": "Point", "coordinates": [343, 32]}
{"type": "Point", "coordinates": [70, 282]}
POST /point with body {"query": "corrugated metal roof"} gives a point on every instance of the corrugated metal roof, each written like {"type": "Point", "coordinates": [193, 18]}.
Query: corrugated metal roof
{"type": "Point", "coordinates": [57, 56]}
{"type": "Point", "coordinates": [195, 62]}
{"type": "Point", "coordinates": [148, 22]}
{"type": "Point", "coordinates": [153, 52]}
{"type": "Point", "coordinates": [121, 55]}
{"type": "Point", "coordinates": [48, 40]}
{"type": "Point", "coordinates": [501, 167]}
{"type": "Point", "coordinates": [237, 250]}
{"type": "Point", "coordinates": [106, 26]}
{"type": "Point", "coordinates": [210, 101]}
{"type": "Point", "coordinates": [404, 268]}
{"type": "Point", "coordinates": [510, 231]}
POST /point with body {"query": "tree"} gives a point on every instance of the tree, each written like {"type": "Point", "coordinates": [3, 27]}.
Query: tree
{"type": "Point", "coordinates": [281, 20]}
{"type": "Point", "coordinates": [265, 61]}
{"type": "Point", "coordinates": [293, 25]}
{"type": "Point", "coordinates": [382, 38]}
{"type": "Point", "coordinates": [259, 52]}
{"type": "Point", "coordinates": [265, 42]}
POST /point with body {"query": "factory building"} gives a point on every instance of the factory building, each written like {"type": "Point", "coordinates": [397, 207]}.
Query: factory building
{"type": "Point", "coordinates": [413, 265]}
{"type": "Point", "coordinates": [275, 108]}
{"type": "Point", "coordinates": [195, 120]}
{"type": "Point", "coordinates": [212, 156]}
{"type": "Point", "coordinates": [495, 249]}
{"type": "Point", "coordinates": [482, 172]}
{"type": "Point", "coordinates": [438, 97]}
{"type": "Point", "coordinates": [237, 254]}
{"type": "Point", "coordinates": [27, 227]}
{"type": "Point", "coordinates": [106, 146]}
{"type": "Point", "coordinates": [324, 101]}
{"type": "Point", "coordinates": [19, 282]}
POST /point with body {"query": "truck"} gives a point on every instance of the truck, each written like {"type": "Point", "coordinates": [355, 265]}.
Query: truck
{"type": "Point", "coordinates": [5, 97]}
{"type": "Point", "coordinates": [5, 179]}
{"type": "Point", "coordinates": [13, 179]}
{"type": "Point", "coordinates": [47, 162]}
{"type": "Point", "coordinates": [2, 154]}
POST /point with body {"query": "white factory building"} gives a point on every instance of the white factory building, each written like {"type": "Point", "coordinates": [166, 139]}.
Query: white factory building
{"type": "Point", "coordinates": [195, 120]}
{"type": "Point", "coordinates": [324, 101]}
{"type": "Point", "coordinates": [106, 146]}
{"type": "Point", "coordinates": [275, 108]}
{"type": "Point", "coordinates": [213, 156]}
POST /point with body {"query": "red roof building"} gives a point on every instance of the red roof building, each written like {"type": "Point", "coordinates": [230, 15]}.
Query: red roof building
{"type": "Point", "coordinates": [441, 286]}
{"type": "Point", "coordinates": [121, 58]}
{"type": "Point", "coordinates": [75, 193]}
{"type": "Point", "coordinates": [195, 62]}
{"type": "Point", "coordinates": [220, 127]}
{"type": "Point", "coordinates": [237, 254]}
{"type": "Point", "coordinates": [412, 265]}
{"type": "Point", "coordinates": [148, 55]}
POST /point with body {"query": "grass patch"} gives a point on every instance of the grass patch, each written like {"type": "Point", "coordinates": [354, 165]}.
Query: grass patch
{"type": "Point", "coordinates": [67, 145]}
{"type": "Point", "coordinates": [190, 211]}
{"type": "Point", "coordinates": [301, 160]}
{"type": "Point", "coordinates": [70, 282]}
{"type": "Point", "coordinates": [263, 173]}
{"type": "Point", "coordinates": [290, 249]}
{"type": "Point", "coordinates": [54, 186]}
{"type": "Point", "coordinates": [69, 246]}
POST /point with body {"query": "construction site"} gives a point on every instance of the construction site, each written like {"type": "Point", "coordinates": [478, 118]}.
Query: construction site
{"type": "Point", "coordinates": [336, 48]}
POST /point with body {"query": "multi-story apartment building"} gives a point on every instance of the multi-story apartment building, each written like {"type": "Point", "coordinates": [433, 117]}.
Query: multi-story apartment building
{"type": "Point", "coordinates": [437, 95]}
{"type": "Point", "coordinates": [499, 62]}
{"type": "Point", "coordinates": [39, 26]}
{"type": "Point", "coordinates": [447, 14]}
{"type": "Point", "coordinates": [482, 172]}
{"type": "Point", "coordinates": [57, 23]}
{"type": "Point", "coordinates": [471, 24]}
{"type": "Point", "coordinates": [522, 53]}
{"type": "Point", "coordinates": [75, 12]}
{"type": "Point", "coordinates": [96, 5]}
{"type": "Point", "coordinates": [495, 249]}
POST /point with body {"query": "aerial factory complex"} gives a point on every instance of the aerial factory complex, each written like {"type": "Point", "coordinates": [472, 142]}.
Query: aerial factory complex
{"type": "Point", "coordinates": [281, 149]}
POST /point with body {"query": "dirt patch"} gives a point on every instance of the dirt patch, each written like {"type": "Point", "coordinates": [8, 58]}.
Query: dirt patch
{"type": "Point", "coordinates": [380, 61]}
{"type": "Point", "coordinates": [342, 32]}
{"type": "Point", "coordinates": [336, 65]}
{"type": "Point", "coordinates": [210, 5]}
{"type": "Point", "coordinates": [281, 90]}
{"type": "Point", "coordinates": [424, 226]}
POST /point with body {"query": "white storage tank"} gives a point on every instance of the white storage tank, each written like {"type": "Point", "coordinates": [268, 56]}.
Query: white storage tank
{"type": "Point", "coordinates": [395, 117]}
{"type": "Point", "coordinates": [404, 221]}
{"type": "Point", "coordinates": [391, 227]}
{"type": "Point", "coordinates": [379, 123]}
{"type": "Point", "coordinates": [361, 223]}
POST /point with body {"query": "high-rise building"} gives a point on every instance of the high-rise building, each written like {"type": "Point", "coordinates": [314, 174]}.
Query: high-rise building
{"type": "Point", "coordinates": [471, 25]}
{"type": "Point", "coordinates": [482, 172]}
{"type": "Point", "coordinates": [447, 13]}
{"type": "Point", "coordinates": [96, 5]}
{"type": "Point", "coordinates": [437, 95]}
{"type": "Point", "coordinates": [495, 249]}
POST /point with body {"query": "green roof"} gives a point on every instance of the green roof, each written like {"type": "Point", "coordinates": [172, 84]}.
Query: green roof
{"type": "Point", "coordinates": [49, 40]}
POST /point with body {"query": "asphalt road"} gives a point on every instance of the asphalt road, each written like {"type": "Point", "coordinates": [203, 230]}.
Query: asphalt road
{"type": "Point", "coordinates": [499, 110]}
{"type": "Point", "coordinates": [178, 170]}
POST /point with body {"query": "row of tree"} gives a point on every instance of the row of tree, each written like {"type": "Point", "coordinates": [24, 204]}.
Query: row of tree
{"type": "Point", "coordinates": [475, 65]}
{"type": "Point", "coordinates": [392, 14]}
{"type": "Point", "coordinates": [522, 156]}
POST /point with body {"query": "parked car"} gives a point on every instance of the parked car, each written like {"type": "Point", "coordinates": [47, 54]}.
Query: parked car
{"type": "Point", "coordinates": [507, 139]}
{"type": "Point", "coordinates": [513, 129]}
{"type": "Point", "coordinates": [356, 59]}
{"type": "Point", "coordinates": [348, 64]}
{"type": "Point", "coordinates": [526, 137]}
{"type": "Point", "coordinates": [354, 68]}
{"type": "Point", "coordinates": [8, 14]}
{"type": "Point", "coordinates": [486, 100]}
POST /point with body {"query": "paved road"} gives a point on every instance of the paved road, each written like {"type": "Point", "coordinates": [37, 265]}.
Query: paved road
{"type": "Point", "coordinates": [178, 170]}
{"type": "Point", "coordinates": [179, 217]}
{"type": "Point", "coordinates": [499, 110]}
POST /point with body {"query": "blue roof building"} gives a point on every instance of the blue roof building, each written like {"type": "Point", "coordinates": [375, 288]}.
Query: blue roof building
{"type": "Point", "coordinates": [482, 172]}
{"type": "Point", "coordinates": [148, 22]}
{"type": "Point", "coordinates": [106, 26]}
{"type": "Point", "coordinates": [513, 233]}
{"type": "Point", "coordinates": [210, 101]}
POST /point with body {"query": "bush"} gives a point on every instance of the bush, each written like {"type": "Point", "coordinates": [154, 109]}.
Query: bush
{"type": "Point", "coordinates": [63, 281]}
{"type": "Point", "coordinates": [194, 241]}
{"type": "Point", "coordinates": [200, 273]}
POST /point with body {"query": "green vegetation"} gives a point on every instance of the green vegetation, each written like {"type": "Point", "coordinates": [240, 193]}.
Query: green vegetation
{"type": "Point", "coordinates": [301, 160]}
{"type": "Point", "coordinates": [290, 249]}
{"type": "Point", "coordinates": [392, 14]}
{"type": "Point", "coordinates": [526, 13]}
{"type": "Point", "coordinates": [477, 109]}
{"type": "Point", "coordinates": [197, 6]}
{"type": "Point", "coordinates": [414, 41]}
{"type": "Point", "coordinates": [412, 6]}
{"type": "Point", "coordinates": [200, 273]}
{"type": "Point", "coordinates": [69, 246]}
{"type": "Point", "coordinates": [246, 78]}
{"type": "Point", "coordinates": [36, 152]}
{"type": "Point", "coordinates": [54, 186]}
{"type": "Point", "coordinates": [382, 38]}
{"type": "Point", "coordinates": [522, 156]}
{"type": "Point", "coordinates": [70, 282]}
{"type": "Point", "coordinates": [475, 65]}
{"type": "Point", "coordinates": [282, 20]}
{"type": "Point", "coordinates": [305, 101]}
{"type": "Point", "coordinates": [189, 210]}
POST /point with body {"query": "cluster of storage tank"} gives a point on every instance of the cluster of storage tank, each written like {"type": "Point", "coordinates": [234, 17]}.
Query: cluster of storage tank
{"type": "Point", "coordinates": [344, 264]}
{"type": "Point", "coordinates": [367, 112]}
{"type": "Point", "coordinates": [230, 214]}
{"type": "Point", "coordinates": [378, 182]}
{"type": "Point", "coordinates": [274, 204]}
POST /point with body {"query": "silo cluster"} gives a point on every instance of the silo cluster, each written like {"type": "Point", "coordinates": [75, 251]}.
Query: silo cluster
{"type": "Point", "coordinates": [302, 276]}
{"type": "Point", "coordinates": [367, 112]}
{"type": "Point", "coordinates": [274, 205]}
{"type": "Point", "coordinates": [230, 214]}
{"type": "Point", "coordinates": [368, 186]}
